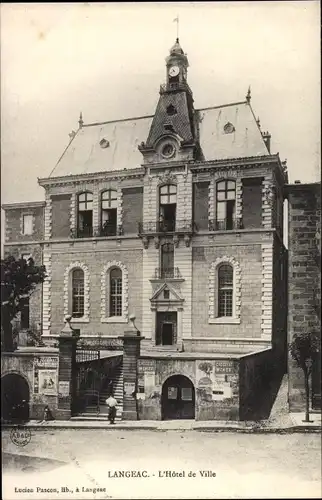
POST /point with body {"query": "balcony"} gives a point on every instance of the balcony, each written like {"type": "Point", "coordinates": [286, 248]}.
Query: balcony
{"type": "Point", "coordinates": [225, 225]}
{"type": "Point", "coordinates": [86, 232]}
{"type": "Point", "coordinates": [167, 273]}
{"type": "Point", "coordinates": [172, 228]}
{"type": "Point", "coordinates": [97, 232]}
{"type": "Point", "coordinates": [109, 230]}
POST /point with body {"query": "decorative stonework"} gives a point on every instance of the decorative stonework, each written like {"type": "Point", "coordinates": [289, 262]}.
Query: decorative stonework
{"type": "Point", "coordinates": [119, 205]}
{"type": "Point", "coordinates": [67, 291]}
{"type": "Point", "coordinates": [239, 200]}
{"type": "Point", "coordinates": [213, 287]}
{"type": "Point", "coordinates": [46, 312]}
{"type": "Point", "coordinates": [224, 174]}
{"type": "Point", "coordinates": [73, 212]}
{"type": "Point", "coordinates": [267, 290]}
{"type": "Point", "coordinates": [267, 201]}
{"type": "Point", "coordinates": [48, 217]}
{"type": "Point", "coordinates": [96, 206]}
{"type": "Point", "coordinates": [105, 293]}
{"type": "Point", "coordinates": [211, 199]}
{"type": "Point", "coordinates": [167, 178]}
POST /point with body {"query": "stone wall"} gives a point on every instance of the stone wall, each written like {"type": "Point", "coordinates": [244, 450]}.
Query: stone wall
{"type": "Point", "coordinates": [250, 262]}
{"type": "Point", "coordinates": [304, 294]}
{"type": "Point", "coordinates": [94, 257]}
{"type": "Point", "coordinates": [35, 365]}
{"type": "Point", "coordinates": [215, 381]}
{"type": "Point", "coordinates": [260, 377]}
{"type": "Point", "coordinates": [14, 223]}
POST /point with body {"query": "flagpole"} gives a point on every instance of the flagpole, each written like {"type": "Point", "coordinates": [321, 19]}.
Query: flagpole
{"type": "Point", "coordinates": [178, 26]}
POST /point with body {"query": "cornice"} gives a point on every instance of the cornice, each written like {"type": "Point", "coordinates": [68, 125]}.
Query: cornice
{"type": "Point", "coordinates": [26, 204]}
{"type": "Point", "coordinates": [92, 177]}
{"type": "Point", "coordinates": [244, 162]}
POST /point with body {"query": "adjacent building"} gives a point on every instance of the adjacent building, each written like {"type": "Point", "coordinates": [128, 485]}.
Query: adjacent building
{"type": "Point", "coordinates": [176, 218]}
{"type": "Point", "coordinates": [304, 283]}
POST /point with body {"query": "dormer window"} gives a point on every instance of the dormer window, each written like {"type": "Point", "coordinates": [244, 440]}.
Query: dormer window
{"type": "Point", "coordinates": [229, 128]}
{"type": "Point", "coordinates": [104, 143]}
{"type": "Point", "coordinates": [171, 110]}
{"type": "Point", "coordinates": [169, 127]}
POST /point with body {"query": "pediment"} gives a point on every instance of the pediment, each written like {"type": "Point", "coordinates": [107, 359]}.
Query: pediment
{"type": "Point", "coordinates": [173, 295]}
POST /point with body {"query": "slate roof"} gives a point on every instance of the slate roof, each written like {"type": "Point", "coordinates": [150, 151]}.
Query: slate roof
{"type": "Point", "coordinates": [180, 121]}
{"type": "Point", "coordinates": [84, 153]}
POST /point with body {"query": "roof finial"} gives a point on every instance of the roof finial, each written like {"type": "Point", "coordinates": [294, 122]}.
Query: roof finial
{"type": "Point", "coordinates": [258, 122]}
{"type": "Point", "coordinates": [248, 95]}
{"type": "Point", "coordinates": [176, 20]}
{"type": "Point", "coordinates": [80, 121]}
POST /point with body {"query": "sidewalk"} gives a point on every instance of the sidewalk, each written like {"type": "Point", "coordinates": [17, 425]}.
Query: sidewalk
{"type": "Point", "coordinates": [295, 424]}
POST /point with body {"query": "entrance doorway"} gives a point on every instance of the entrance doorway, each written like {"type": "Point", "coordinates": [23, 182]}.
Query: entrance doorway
{"type": "Point", "coordinates": [15, 398]}
{"type": "Point", "coordinates": [166, 333]}
{"type": "Point", "coordinates": [178, 398]}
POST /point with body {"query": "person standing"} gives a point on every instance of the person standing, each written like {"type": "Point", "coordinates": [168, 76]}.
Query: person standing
{"type": "Point", "coordinates": [111, 403]}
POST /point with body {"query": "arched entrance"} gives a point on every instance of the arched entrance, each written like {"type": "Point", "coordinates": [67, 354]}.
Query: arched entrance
{"type": "Point", "coordinates": [15, 398]}
{"type": "Point", "coordinates": [178, 398]}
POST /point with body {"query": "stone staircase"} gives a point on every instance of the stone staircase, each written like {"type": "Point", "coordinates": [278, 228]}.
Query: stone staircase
{"type": "Point", "coordinates": [100, 411]}
{"type": "Point", "coordinates": [118, 394]}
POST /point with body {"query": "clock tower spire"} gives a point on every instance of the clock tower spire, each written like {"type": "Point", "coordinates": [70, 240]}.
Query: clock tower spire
{"type": "Point", "coordinates": [173, 132]}
{"type": "Point", "coordinates": [176, 66]}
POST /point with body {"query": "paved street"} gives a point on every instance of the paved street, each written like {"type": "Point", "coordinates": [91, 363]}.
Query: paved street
{"type": "Point", "coordinates": [238, 465]}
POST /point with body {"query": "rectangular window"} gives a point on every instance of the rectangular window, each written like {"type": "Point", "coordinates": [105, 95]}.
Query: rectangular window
{"type": "Point", "coordinates": [168, 204]}
{"type": "Point", "coordinates": [26, 256]}
{"type": "Point", "coordinates": [85, 215]}
{"type": "Point", "coordinates": [225, 303]}
{"type": "Point", "coordinates": [225, 213]}
{"type": "Point", "coordinates": [109, 213]}
{"type": "Point", "coordinates": [167, 260]}
{"type": "Point", "coordinates": [27, 224]}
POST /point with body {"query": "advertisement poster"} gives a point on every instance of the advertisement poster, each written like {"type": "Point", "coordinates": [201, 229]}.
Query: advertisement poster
{"type": "Point", "coordinates": [160, 164]}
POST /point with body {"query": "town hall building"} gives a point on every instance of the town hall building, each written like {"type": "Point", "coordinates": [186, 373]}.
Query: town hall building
{"type": "Point", "coordinates": [169, 225]}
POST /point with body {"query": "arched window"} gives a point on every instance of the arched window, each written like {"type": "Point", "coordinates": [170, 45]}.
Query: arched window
{"type": "Point", "coordinates": [226, 204]}
{"type": "Point", "coordinates": [225, 290]}
{"type": "Point", "coordinates": [114, 293]}
{"type": "Point", "coordinates": [85, 215]}
{"type": "Point", "coordinates": [167, 207]}
{"type": "Point", "coordinates": [115, 302]}
{"type": "Point", "coordinates": [109, 212]}
{"type": "Point", "coordinates": [78, 293]}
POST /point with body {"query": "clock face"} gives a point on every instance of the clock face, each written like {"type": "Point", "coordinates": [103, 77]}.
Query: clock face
{"type": "Point", "coordinates": [174, 71]}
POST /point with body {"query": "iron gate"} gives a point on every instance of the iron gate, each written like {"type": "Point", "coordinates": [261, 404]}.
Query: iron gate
{"type": "Point", "coordinates": [94, 374]}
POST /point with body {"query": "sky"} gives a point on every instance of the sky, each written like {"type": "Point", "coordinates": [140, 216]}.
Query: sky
{"type": "Point", "coordinates": [108, 60]}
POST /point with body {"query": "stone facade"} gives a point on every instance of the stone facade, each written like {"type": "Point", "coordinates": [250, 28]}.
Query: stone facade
{"type": "Point", "coordinates": [176, 305]}
{"type": "Point", "coordinates": [304, 292]}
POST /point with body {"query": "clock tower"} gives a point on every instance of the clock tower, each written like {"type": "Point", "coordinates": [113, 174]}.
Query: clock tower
{"type": "Point", "coordinates": [173, 134]}
{"type": "Point", "coordinates": [177, 64]}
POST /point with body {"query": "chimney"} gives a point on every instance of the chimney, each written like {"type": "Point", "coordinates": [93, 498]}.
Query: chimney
{"type": "Point", "coordinates": [267, 139]}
